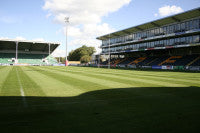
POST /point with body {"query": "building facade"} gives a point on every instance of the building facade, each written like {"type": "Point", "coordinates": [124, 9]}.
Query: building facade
{"type": "Point", "coordinates": [177, 31]}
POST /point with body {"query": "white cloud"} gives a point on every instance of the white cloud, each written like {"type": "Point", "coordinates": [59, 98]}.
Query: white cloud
{"type": "Point", "coordinates": [20, 38]}
{"type": "Point", "coordinates": [87, 35]}
{"type": "Point", "coordinates": [168, 10]}
{"type": "Point", "coordinates": [59, 53]}
{"type": "Point", "coordinates": [4, 38]}
{"type": "Point", "coordinates": [82, 11]}
{"type": "Point", "coordinates": [85, 18]}
{"type": "Point", "coordinates": [39, 40]}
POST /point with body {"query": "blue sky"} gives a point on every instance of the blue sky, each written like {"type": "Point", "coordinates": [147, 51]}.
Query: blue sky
{"type": "Point", "coordinates": [43, 19]}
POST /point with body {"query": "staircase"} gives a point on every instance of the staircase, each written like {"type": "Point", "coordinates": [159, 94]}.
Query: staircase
{"type": "Point", "coordinates": [193, 61]}
{"type": "Point", "coordinates": [169, 60]}
{"type": "Point", "coordinates": [137, 60]}
{"type": "Point", "coordinates": [152, 61]}
{"type": "Point", "coordinates": [119, 61]}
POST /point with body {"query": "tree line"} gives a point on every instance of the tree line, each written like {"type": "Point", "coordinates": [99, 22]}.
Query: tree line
{"type": "Point", "coordinates": [82, 54]}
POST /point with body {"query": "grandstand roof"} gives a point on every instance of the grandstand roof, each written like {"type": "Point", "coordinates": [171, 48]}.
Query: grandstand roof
{"type": "Point", "coordinates": [156, 23]}
{"type": "Point", "coordinates": [23, 45]}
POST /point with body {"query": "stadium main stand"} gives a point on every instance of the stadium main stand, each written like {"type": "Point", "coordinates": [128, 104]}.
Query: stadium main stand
{"type": "Point", "coordinates": [15, 52]}
{"type": "Point", "coordinates": [164, 43]}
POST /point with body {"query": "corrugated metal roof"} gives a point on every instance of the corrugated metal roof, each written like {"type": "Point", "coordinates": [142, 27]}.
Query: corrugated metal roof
{"type": "Point", "coordinates": [9, 44]}
{"type": "Point", "coordinates": [156, 23]}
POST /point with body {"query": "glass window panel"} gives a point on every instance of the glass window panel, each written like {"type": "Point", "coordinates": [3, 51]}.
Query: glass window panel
{"type": "Point", "coordinates": [167, 29]}
{"type": "Point", "coordinates": [161, 30]}
{"type": "Point", "coordinates": [196, 38]}
{"type": "Point", "coordinates": [167, 42]}
{"type": "Point", "coordinates": [152, 32]}
{"type": "Point", "coordinates": [190, 24]}
{"type": "Point", "coordinates": [133, 36]}
{"type": "Point", "coordinates": [171, 28]}
{"type": "Point", "coordinates": [187, 25]}
{"type": "Point", "coordinates": [183, 26]}
{"type": "Point", "coordinates": [187, 40]}
{"type": "Point", "coordinates": [190, 39]}
{"type": "Point", "coordinates": [147, 33]}
{"type": "Point", "coordinates": [196, 24]}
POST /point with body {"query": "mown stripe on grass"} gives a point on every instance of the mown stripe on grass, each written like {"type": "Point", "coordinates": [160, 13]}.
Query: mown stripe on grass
{"type": "Point", "coordinates": [175, 77]}
{"type": "Point", "coordinates": [1, 67]}
{"type": "Point", "coordinates": [51, 86]}
{"type": "Point", "coordinates": [29, 86]}
{"type": "Point", "coordinates": [137, 80]}
{"type": "Point", "coordinates": [155, 78]}
{"type": "Point", "coordinates": [21, 89]}
{"type": "Point", "coordinates": [3, 75]}
{"type": "Point", "coordinates": [83, 84]}
{"type": "Point", "coordinates": [179, 75]}
{"type": "Point", "coordinates": [11, 86]}
{"type": "Point", "coordinates": [107, 83]}
{"type": "Point", "coordinates": [107, 79]}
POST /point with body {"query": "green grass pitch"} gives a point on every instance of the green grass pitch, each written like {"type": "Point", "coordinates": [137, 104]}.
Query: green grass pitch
{"type": "Point", "coordinates": [96, 100]}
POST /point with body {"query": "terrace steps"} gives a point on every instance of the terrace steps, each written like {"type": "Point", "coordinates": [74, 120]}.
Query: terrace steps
{"type": "Point", "coordinates": [193, 61]}
{"type": "Point", "coordinates": [169, 60]}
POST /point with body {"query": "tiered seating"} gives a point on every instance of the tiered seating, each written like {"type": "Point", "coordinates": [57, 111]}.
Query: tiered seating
{"type": "Point", "coordinates": [37, 59]}
{"type": "Point", "coordinates": [6, 58]}
{"type": "Point", "coordinates": [158, 60]}
{"type": "Point", "coordinates": [187, 60]}
{"type": "Point", "coordinates": [170, 61]}
{"type": "Point", "coordinates": [31, 58]}
{"type": "Point", "coordinates": [51, 60]}
{"type": "Point", "coordinates": [147, 61]}
{"type": "Point", "coordinates": [138, 60]}
{"type": "Point", "coordinates": [127, 61]}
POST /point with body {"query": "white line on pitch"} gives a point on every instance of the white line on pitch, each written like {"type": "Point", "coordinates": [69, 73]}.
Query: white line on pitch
{"type": "Point", "coordinates": [21, 90]}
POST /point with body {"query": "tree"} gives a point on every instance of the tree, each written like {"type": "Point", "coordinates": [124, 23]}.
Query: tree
{"type": "Point", "coordinates": [61, 59]}
{"type": "Point", "coordinates": [85, 59]}
{"type": "Point", "coordinates": [77, 54]}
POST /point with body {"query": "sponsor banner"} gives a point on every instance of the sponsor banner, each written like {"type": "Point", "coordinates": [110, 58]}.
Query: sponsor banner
{"type": "Point", "coordinates": [127, 50]}
{"type": "Point", "coordinates": [131, 66]}
{"type": "Point", "coordinates": [4, 64]}
{"type": "Point", "coordinates": [150, 48]}
{"type": "Point", "coordinates": [122, 66]}
{"type": "Point", "coordinates": [58, 64]}
{"type": "Point", "coordinates": [159, 48]}
{"type": "Point", "coordinates": [195, 44]}
{"type": "Point", "coordinates": [191, 31]}
{"type": "Point", "coordinates": [194, 68]}
{"type": "Point", "coordinates": [180, 33]}
{"type": "Point", "coordinates": [156, 67]}
{"type": "Point", "coordinates": [178, 67]}
{"type": "Point", "coordinates": [173, 34]}
{"type": "Point", "coordinates": [179, 46]}
{"type": "Point", "coordinates": [167, 67]}
{"type": "Point", "coordinates": [158, 36]}
{"type": "Point", "coordinates": [141, 49]}
{"type": "Point", "coordinates": [134, 50]}
{"type": "Point", "coordinates": [145, 66]}
{"type": "Point", "coordinates": [150, 38]}
{"type": "Point", "coordinates": [21, 64]}
{"type": "Point", "coordinates": [169, 47]}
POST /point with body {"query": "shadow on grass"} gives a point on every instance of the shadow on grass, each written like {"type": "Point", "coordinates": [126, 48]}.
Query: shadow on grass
{"type": "Point", "coordinates": [121, 110]}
